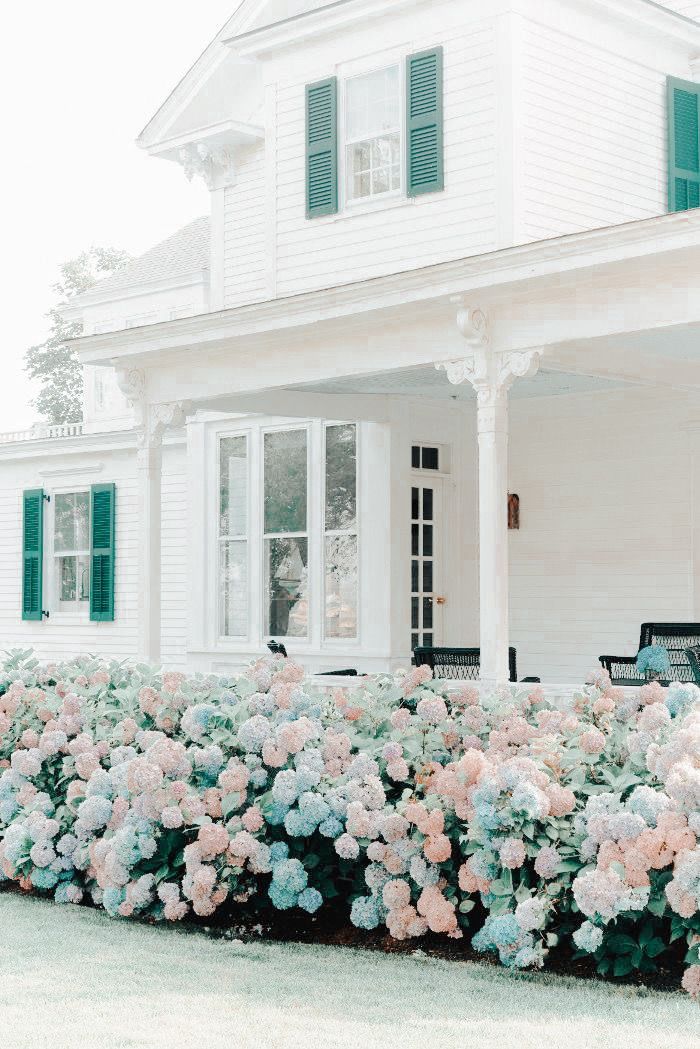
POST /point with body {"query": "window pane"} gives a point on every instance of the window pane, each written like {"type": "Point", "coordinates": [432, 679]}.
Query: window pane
{"type": "Point", "coordinates": [286, 574]}
{"type": "Point", "coordinates": [372, 103]}
{"type": "Point", "coordinates": [430, 458]}
{"type": "Point", "coordinates": [73, 578]}
{"type": "Point", "coordinates": [285, 481]}
{"type": "Point", "coordinates": [71, 521]}
{"type": "Point", "coordinates": [415, 530]}
{"type": "Point", "coordinates": [341, 586]}
{"type": "Point", "coordinates": [233, 486]}
{"type": "Point", "coordinates": [341, 478]}
{"type": "Point", "coordinates": [233, 589]}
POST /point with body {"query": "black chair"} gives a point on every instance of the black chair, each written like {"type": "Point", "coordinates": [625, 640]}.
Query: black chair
{"type": "Point", "coordinates": [278, 649]}
{"type": "Point", "coordinates": [693, 655]}
{"type": "Point", "coordinates": [458, 664]}
{"type": "Point", "coordinates": [676, 638]}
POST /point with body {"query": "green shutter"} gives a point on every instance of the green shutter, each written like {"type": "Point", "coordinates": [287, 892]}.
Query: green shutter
{"type": "Point", "coordinates": [322, 148]}
{"type": "Point", "coordinates": [32, 554]}
{"type": "Point", "coordinates": [684, 145]}
{"type": "Point", "coordinates": [424, 135]}
{"type": "Point", "coordinates": [102, 553]}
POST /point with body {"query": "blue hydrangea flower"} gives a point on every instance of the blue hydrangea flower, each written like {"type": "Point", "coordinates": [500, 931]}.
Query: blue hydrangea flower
{"type": "Point", "coordinates": [364, 913]}
{"type": "Point", "coordinates": [310, 900]}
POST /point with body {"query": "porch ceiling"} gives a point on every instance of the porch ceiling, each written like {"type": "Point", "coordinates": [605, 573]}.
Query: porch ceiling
{"type": "Point", "coordinates": [428, 382]}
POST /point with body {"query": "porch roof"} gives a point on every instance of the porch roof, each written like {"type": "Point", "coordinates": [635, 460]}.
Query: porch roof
{"type": "Point", "coordinates": [620, 303]}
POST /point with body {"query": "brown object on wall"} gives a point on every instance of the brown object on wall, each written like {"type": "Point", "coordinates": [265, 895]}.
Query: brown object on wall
{"type": "Point", "coordinates": [514, 512]}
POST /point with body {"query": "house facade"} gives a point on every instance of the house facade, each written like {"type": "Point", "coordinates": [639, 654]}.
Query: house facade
{"type": "Point", "coordinates": [452, 257]}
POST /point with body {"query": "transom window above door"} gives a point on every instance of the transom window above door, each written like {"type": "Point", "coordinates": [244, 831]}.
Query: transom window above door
{"type": "Point", "coordinates": [373, 134]}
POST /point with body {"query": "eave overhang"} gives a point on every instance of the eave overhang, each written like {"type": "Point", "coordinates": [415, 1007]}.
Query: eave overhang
{"type": "Point", "coordinates": [542, 270]}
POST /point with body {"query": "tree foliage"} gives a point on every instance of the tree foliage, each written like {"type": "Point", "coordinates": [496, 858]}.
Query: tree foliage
{"type": "Point", "coordinates": [54, 363]}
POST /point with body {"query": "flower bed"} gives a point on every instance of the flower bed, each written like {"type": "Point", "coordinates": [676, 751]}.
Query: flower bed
{"type": "Point", "coordinates": [504, 819]}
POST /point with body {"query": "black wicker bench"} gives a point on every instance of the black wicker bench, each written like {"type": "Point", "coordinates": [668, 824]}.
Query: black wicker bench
{"type": "Point", "coordinates": [459, 664]}
{"type": "Point", "coordinates": [693, 654]}
{"type": "Point", "coordinates": [676, 638]}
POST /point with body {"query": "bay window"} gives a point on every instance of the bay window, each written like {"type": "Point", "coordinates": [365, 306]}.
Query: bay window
{"type": "Point", "coordinates": [287, 533]}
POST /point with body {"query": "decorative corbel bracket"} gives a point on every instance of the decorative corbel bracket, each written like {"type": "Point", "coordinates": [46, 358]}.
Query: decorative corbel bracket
{"type": "Point", "coordinates": [490, 372]}
{"type": "Point", "coordinates": [214, 164]}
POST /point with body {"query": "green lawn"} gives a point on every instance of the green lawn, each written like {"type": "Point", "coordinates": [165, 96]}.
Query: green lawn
{"type": "Point", "coordinates": [73, 979]}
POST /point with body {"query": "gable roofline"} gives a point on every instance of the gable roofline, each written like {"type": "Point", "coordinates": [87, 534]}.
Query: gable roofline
{"type": "Point", "coordinates": [267, 38]}
{"type": "Point", "coordinates": [188, 86]}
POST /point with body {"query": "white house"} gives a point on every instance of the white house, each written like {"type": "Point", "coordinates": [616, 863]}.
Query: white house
{"type": "Point", "coordinates": [435, 225]}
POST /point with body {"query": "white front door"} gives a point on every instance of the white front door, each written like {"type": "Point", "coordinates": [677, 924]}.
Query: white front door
{"type": "Point", "coordinates": [426, 561]}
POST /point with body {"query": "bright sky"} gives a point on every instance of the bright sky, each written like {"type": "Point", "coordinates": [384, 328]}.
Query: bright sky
{"type": "Point", "coordinates": [79, 79]}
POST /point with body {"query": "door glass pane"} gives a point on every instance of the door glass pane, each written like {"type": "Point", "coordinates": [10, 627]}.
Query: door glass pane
{"type": "Point", "coordinates": [415, 606]}
{"type": "Point", "coordinates": [427, 504]}
{"type": "Point", "coordinates": [71, 521]}
{"type": "Point", "coordinates": [415, 513]}
{"type": "Point", "coordinates": [430, 459]}
{"type": "Point", "coordinates": [286, 574]}
{"type": "Point", "coordinates": [427, 613]}
{"type": "Point", "coordinates": [233, 589]}
{"type": "Point", "coordinates": [341, 586]}
{"type": "Point", "coordinates": [415, 545]}
{"type": "Point", "coordinates": [428, 577]}
{"type": "Point", "coordinates": [285, 481]}
{"type": "Point", "coordinates": [414, 577]}
{"type": "Point", "coordinates": [341, 478]}
{"type": "Point", "coordinates": [233, 486]}
{"type": "Point", "coordinates": [427, 540]}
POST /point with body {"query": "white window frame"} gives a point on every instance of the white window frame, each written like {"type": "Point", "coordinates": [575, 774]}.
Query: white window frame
{"type": "Point", "coordinates": [341, 642]}
{"type": "Point", "coordinates": [351, 72]}
{"type": "Point", "coordinates": [256, 638]}
{"type": "Point", "coordinates": [218, 539]}
{"type": "Point", "coordinates": [66, 610]}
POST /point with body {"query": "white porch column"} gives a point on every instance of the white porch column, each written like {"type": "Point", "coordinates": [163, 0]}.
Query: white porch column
{"type": "Point", "coordinates": [151, 423]}
{"type": "Point", "coordinates": [491, 372]}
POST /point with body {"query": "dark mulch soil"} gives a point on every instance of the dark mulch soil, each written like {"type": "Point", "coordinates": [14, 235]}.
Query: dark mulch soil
{"type": "Point", "coordinates": [332, 929]}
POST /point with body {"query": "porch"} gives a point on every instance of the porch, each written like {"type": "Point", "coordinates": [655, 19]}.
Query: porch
{"type": "Point", "coordinates": [583, 351]}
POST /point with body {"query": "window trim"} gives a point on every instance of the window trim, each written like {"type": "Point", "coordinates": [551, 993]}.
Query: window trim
{"type": "Point", "coordinates": [80, 612]}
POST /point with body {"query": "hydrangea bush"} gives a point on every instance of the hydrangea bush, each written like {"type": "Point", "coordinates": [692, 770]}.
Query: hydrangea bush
{"type": "Point", "coordinates": [504, 819]}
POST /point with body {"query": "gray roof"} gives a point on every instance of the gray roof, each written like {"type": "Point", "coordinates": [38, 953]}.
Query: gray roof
{"type": "Point", "coordinates": [184, 252]}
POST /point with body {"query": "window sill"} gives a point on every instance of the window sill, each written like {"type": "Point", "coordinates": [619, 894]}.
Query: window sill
{"type": "Point", "coordinates": [388, 203]}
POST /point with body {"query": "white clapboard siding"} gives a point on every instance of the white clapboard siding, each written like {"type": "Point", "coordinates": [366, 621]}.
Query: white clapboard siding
{"type": "Point", "coordinates": [605, 539]}
{"type": "Point", "coordinates": [244, 231]}
{"type": "Point", "coordinates": [689, 8]}
{"type": "Point", "coordinates": [395, 236]}
{"type": "Point", "coordinates": [63, 636]}
{"type": "Point", "coordinates": [593, 133]}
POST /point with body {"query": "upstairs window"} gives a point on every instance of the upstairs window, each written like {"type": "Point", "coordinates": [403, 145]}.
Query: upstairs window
{"type": "Point", "coordinates": [373, 134]}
